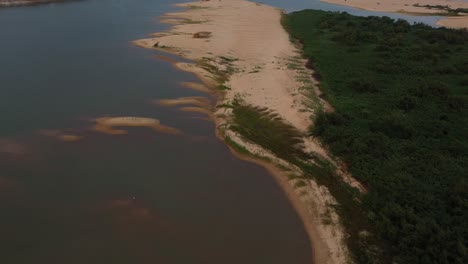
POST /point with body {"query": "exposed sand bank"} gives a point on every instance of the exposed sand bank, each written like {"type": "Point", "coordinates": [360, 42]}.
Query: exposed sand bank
{"type": "Point", "coordinates": [252, 56]}
{"type": "Point", "coordinates": [408, 6]}
{"type": "Point", "coordinates": [454, 22]}
{"type": "Point", "coordinates": [116, 125]}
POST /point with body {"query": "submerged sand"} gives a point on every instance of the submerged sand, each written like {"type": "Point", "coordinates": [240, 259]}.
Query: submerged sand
{"type": "Point", "coordinates": [114, 125]}
{"type": "Point", "coordinates": [250, 47]}
{"type": "Point", "coordinates": [408, 6]}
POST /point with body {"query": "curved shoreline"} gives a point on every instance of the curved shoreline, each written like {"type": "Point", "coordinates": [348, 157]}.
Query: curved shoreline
{"type": "Point", "coordinates": [252, 52]}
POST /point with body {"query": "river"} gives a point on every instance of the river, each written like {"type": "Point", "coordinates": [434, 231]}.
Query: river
{"type": "Point", "coordinates": [143, 197]}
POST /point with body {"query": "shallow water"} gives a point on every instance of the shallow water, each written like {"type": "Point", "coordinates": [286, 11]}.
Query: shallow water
{"type": "Point", "coordinates": [71, 194]}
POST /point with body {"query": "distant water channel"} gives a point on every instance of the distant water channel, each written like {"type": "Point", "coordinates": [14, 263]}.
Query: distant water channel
{"type": "Point", "coordinates": [297, 5]}
{"type": "Point", "coordinates": [140, 198]}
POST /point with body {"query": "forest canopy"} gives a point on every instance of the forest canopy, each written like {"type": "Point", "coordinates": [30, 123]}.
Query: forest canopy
{"type": "Point", "coordinates": [401, 125]}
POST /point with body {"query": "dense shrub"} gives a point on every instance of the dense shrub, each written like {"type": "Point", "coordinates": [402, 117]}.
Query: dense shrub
{"type": "Point", "coordinates": [401, 126]}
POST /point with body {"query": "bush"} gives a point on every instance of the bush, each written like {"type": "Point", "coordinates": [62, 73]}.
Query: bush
{"type": "Point", "coordinates": [400, 126]}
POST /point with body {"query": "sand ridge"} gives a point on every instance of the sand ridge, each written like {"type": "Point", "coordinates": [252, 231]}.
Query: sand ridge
{"type": "Point", "coordinates": [252, 54]}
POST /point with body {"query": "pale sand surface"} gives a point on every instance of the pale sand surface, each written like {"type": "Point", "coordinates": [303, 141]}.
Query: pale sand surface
{"type": "Point", "coordinates": [407, 6]}
{"type": "Point", "coordinates": [192, 100]}
{"type": "Point", "coordinates": [454, 22]}
{"type": "Point", "coordinates": [259, 49]}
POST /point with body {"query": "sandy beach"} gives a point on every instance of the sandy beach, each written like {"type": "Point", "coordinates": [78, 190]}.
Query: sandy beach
{"type": "Point", "coordinates": [454, 22]}
{"type": "Point", "coordinates": [408, 6]}
{"type": "Point", "coordinates": [247, 40]}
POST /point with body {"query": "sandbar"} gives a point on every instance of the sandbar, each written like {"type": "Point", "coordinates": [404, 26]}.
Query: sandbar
{"type": "Point", "coordinates": [247, 53]}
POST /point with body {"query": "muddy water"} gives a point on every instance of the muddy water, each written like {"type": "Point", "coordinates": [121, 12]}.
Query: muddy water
{"type": "Point", "coordinates": [73, 190]}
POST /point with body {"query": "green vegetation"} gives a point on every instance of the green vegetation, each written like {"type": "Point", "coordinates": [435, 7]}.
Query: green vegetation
{"type": "Point", "coordinates": [228, 59]}
{"type": "Point", "coordinates": [401, 97]}
{"type": "Point", "coordinates": [223, 87]}
{"type": "Point", "coordinates": [195, 7]}
{"type": "Point", "coordinates": [265, 128]}
{"type": "Point", "coordinates": [191, 21]}
{"type": "Point", "coordinates": [237, 147]}
{"type": "Point", "coordinates": [219, 75]}
{"type": "Point", "coordinates": [449, 11]}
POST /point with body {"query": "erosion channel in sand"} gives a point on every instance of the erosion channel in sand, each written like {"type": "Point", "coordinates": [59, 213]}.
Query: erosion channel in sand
{"type": "Point", "coordinates": [449, 8]}
{"type": "Point", "coordinates": [241, 52]}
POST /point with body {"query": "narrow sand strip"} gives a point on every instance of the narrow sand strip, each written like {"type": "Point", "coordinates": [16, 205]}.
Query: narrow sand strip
{"type": "Point", "coordinates": [192, 100]}
{"type": "Point", "coordinates": [454, 22]}
{"type": "Point", "coordinates": [108, 125]}
{"type": "Point", "coordinates": [249, 54]}
{"type": "Point", "coordinates": [408, 6]}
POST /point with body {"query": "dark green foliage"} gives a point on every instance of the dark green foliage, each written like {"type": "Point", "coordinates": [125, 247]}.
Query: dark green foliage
{"type": "Point", "coordinates": [450, 11]}
{"type": "Point", "coordinates": [401, 125]}
{"type": "Point", "coordinates": [267, 129]}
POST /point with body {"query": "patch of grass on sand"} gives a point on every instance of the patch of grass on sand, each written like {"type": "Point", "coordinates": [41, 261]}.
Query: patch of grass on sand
{"type": "Point", "coordinates": [267, 129]}
{"type": "Point", "coordinates": [228, 59]}
{"type": "Point", "coordinates": [236, 146]}
{"type": "Point", "coordinates": [191, 21]}
{"type": "Point", "coordinates": [195, 7]}
{"type": "Point", "coordinates": [300, 183]}
{"type": "Point", "coordinates": [223, 87]}
{"type": "Point", "coordinates": [220, 74]}
{"type": "Point", "coordinates": [448, 10]}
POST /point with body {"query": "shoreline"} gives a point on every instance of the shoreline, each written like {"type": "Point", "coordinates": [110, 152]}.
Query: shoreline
{"type": "Point", "coordinates": [18, 3]}
{"type": "Point", "coordinates": [251, 54]}
{"type": "Point", "coordinates": [408, 7]}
